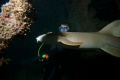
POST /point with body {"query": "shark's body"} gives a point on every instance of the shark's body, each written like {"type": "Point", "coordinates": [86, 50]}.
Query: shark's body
{"type": "Point", "coordinates": [106, 39]}
{"type": "Point", "coordinates": [91, 40]}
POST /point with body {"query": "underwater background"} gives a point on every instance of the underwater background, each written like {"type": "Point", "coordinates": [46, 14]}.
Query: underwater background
{"type": "Point", "coordinates": [66, 64]}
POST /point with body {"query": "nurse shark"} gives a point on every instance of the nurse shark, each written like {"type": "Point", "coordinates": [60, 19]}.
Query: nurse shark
{"type": "Point", "coordinates": [106, 39]}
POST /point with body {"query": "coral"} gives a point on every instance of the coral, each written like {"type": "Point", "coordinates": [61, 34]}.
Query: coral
{"type": "Point", "coordinates": [15, 20]}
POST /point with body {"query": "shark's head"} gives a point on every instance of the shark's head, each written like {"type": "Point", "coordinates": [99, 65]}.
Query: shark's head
{"type": "Point", "coordinates": [49, 38]}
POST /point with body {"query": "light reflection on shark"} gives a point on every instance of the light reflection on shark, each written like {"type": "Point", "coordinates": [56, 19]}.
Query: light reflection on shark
{"type": "Point", "coordinates": [106, 39]}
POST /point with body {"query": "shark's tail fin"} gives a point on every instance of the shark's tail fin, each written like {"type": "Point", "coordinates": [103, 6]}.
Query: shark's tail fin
{"type": "Point", "coordinates": [112, 50]}
{"type": "Point", "coordinates": [112, 29]}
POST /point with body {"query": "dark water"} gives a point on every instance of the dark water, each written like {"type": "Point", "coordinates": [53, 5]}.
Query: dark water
{"type": "Point", "coordinates": [65, 64]}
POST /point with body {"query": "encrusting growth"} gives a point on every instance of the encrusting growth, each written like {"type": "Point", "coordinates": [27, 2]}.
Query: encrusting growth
{"type": "Point", "coordinates": [15, 19]}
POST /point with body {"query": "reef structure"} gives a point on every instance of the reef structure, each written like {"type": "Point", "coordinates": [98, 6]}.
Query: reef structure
{"type": "Point", "coordinates": [15, 20]}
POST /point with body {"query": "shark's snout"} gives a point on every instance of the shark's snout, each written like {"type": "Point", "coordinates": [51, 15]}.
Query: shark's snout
{"type": "Point", "coordinates": [39, 38]}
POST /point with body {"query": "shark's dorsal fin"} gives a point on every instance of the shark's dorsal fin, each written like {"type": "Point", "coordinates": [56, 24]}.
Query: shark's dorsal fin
{"type": "Point", "coordinates": [67, 42]}
{"type": "Point", "coordinates": [112, 29]}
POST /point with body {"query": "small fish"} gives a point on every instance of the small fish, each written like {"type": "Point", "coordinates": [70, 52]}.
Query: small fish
{"type": "Point", "coordinates": [106, 39]}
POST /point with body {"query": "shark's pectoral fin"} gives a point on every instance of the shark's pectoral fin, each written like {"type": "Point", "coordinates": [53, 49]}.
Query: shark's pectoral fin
{"type": "Point", "coordinates": [112, 50]}
{"type": "Point", "coordinates": [67, 42]}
